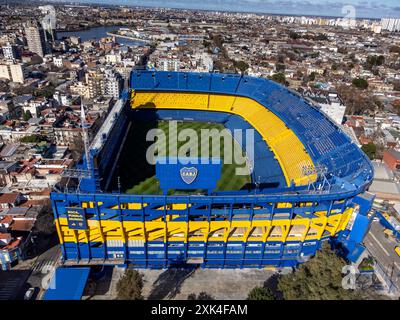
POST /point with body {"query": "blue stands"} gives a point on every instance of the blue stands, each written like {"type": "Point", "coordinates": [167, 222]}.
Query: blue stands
{"type": "Point", "coordinates": [324, 141]}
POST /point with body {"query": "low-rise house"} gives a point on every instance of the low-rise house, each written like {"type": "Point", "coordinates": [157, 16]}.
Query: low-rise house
{"type": "Point", "coordinates": [6, 168]}
{"type": "Point", "coordinates": [392, 159]}
{"type": "Point", "coordinates": [10, 200]}
{"type": "Point", "coordinates": [16, 226]}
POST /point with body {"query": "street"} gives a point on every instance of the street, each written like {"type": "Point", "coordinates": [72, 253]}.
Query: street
{"type": "Point", "coordinates": [12, 284]}
{"type": "Point", "coordinates": [27, 274]}
{"type": "Point", "coordinates": [382, 249]}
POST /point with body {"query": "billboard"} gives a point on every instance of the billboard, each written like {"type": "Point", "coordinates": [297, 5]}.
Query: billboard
{"type": "Point", "coordinates": [76, 218]}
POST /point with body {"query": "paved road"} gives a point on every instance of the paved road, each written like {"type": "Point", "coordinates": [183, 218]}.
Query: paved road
{"type": "Point", "coordinates": [382, 249]}
{"type": "Point", "coordinates": [29, 273]}
{"type": "Point", "coordinates": [12, 283]}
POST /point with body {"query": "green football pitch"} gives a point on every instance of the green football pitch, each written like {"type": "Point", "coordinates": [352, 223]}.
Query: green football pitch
{"type": "Point", "coordinates": [137, 176]}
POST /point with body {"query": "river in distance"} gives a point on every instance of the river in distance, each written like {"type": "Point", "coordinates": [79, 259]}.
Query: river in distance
{"type": "Point", "coordinates": [97, 33]}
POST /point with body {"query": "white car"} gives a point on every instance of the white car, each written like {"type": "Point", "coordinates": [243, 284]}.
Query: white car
{"type": "Point", "coordinates": [29, 293]}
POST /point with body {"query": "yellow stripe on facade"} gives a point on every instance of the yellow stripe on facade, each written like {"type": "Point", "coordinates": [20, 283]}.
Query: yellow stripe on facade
{"type": "Point", "coordinates": [300, 229]}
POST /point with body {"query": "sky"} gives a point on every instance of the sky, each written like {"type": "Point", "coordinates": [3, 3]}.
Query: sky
{"type": "Point", "coordinates": [362, 8]}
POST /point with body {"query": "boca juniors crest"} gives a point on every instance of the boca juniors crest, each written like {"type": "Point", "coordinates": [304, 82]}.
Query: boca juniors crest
{"type": "Point", "coordinates": [188, 175]}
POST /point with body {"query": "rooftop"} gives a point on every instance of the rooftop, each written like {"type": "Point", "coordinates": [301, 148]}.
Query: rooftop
{"type": "Point", "coordinates": [9, 150]}
{"type": "Point", "coordinates": [22, 225]}
{"type": "Point", "coordinates": [9, 197]}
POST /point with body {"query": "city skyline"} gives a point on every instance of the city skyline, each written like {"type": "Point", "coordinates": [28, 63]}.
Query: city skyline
{"type": "Point", "coordinates": [337, 8]}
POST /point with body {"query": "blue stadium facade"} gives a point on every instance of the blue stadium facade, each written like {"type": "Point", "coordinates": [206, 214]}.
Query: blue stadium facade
{"type": "Point", "coordinates": [312, 183]}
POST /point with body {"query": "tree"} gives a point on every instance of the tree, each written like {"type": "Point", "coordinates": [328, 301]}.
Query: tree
{"type": "Point", "coordinates": [360, 83]}
{"type": "Point", "coordinates": [396, 106]}
{"type": "Point", "coordinates": [396, 86]}
{"type": "Point", "coordinates": [321, 37]}
{"type": "Point", "coordinates": [241, 65]}
{"type": "Point", "coordinates": [280, 67]}
{"type": "Point", "coordinates": [130, 285]}
{"type": "Point", "coordinates": [312, 76]}
{"type": "Point", "coordinates": [201, 296]}
{"type": "Point", "coordinates": [46, 92]}
{"type": "Point", "coordinates": [44, 224]}
{"type": "Point", "coordinates": [373, 61]}
{"type": "Point", "coordinates": [77, 147]}
{"type": "Point", "coordinates": [320, 278]}
{"type": "Point", "coordinates": [261, 293]}
{"type": "Point", "coordinates": [34, 138]}
{"type": "Point", "coordinates": [370, 150]}
{"type": "Point", "coordinates": [218, 40]}
{"type": "Point", "coordinates": [206, 43]}
{"type": "Point", "coordinates": [4, 87]}
{"type": "Point", "coordinates": [294, 35]}
{"type": "Point", "coordinates": [27, 115]}
{"type": "Point", "coordinates": [280, 78]}
{"type": "Point", "coordinates": [299, 74]}
{"type": "Point", "coordinates": [23, 90]}
{"type": "Point", "coordinates": [281, 58]}
{"type": "Point", "coordinates": [395, 49]}
{"type": "Point", "coordinates": [357, 101]}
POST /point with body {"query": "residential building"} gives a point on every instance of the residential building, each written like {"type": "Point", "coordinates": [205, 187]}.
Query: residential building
{"type": "Point", "coordinates": [4, 72]}
{"type": "Point", "coordinates": [113, 83]}
{"type": "Point", "coordinates": [15, 72]}
{"type": "Point", "coordinates": [36, 38]}
{"type": "Point", "coordinates": [80, 89]}
{"type": "Point", "coordinates": [18, 72]}
{"type": "Point", "coordinates": [11, 52]}
{"type": "Point", "coordinates": [168, 64]}
{"type": "Point", "coordinates": [95, 81]}
{"type": "Point", "coordinates": [391, 24]}
{"type": "Point", "coordinates": [392, 159]}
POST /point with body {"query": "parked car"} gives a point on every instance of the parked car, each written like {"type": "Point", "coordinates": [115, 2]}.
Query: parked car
{"type": "Point", "coordinates": [29, 294]}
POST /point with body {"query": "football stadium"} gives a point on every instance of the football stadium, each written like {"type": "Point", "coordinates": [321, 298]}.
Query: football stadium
{"type": "Point", "coordinates": [306, 181]}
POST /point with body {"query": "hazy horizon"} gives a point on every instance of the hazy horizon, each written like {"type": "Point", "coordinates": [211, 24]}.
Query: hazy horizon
{"type": "Point", "coordinates": [363, 9]}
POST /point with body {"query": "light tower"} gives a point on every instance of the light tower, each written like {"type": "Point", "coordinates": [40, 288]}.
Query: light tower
{"type": "Point", "coordinates": [85, 138]}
